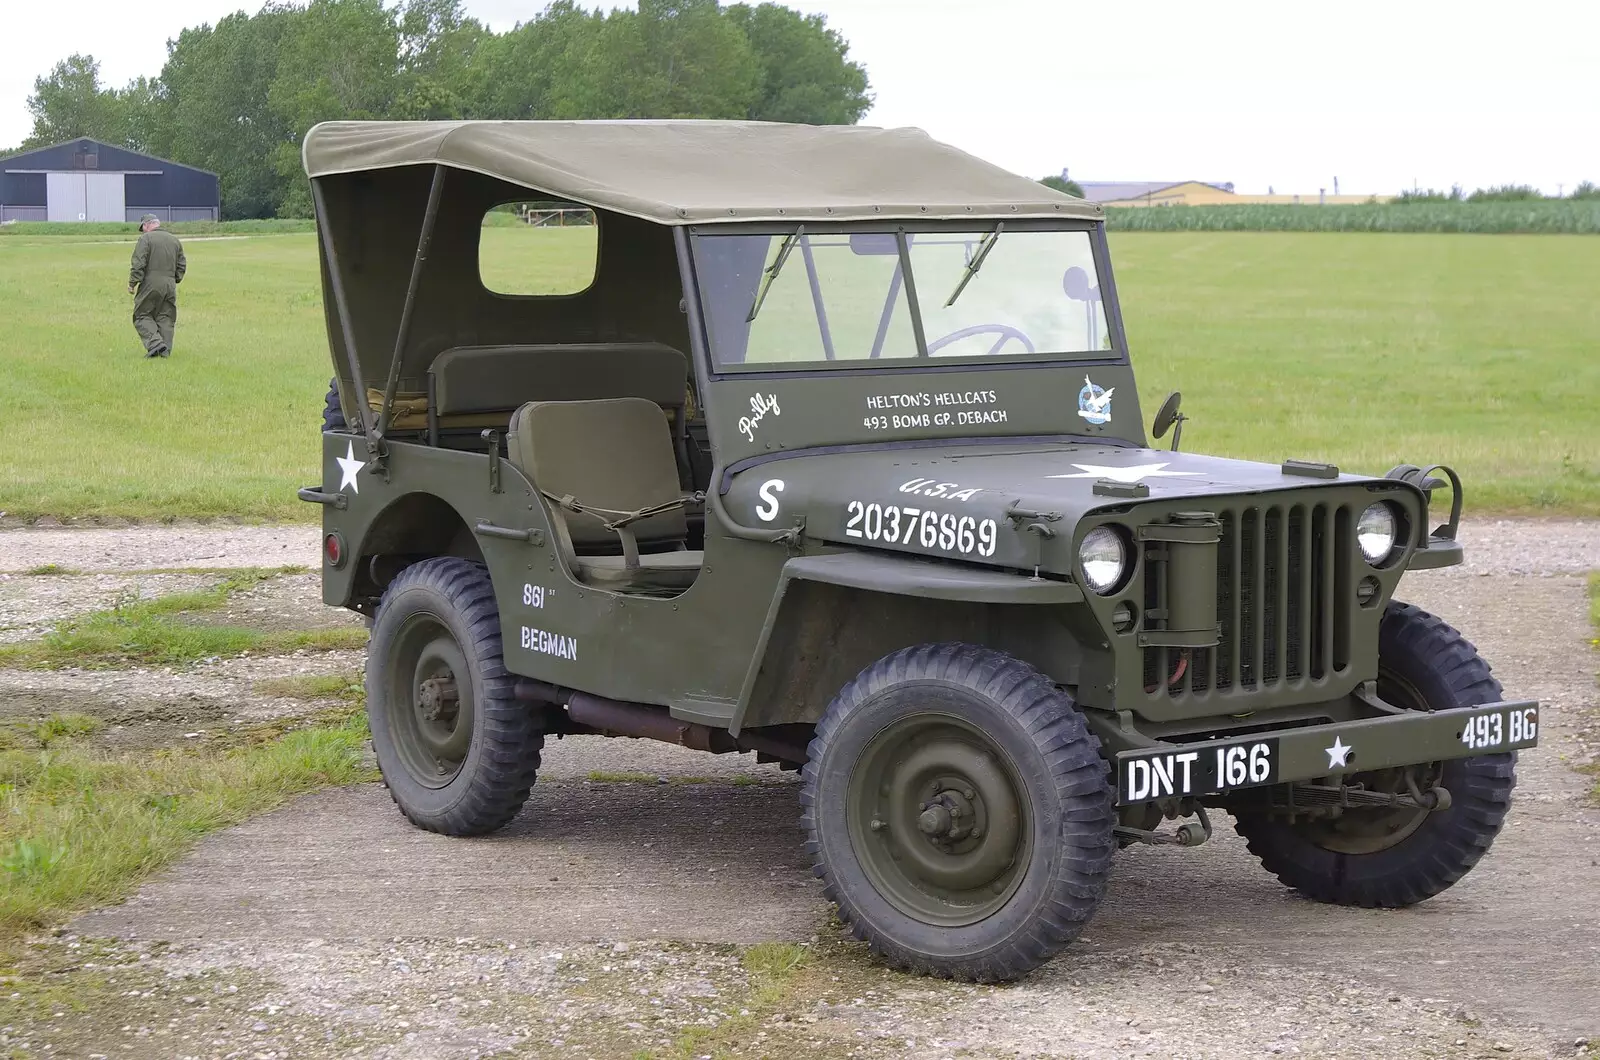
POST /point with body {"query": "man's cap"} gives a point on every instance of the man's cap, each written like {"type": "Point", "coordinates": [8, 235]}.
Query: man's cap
{"type": "Point", "coordinates": [147, 218]}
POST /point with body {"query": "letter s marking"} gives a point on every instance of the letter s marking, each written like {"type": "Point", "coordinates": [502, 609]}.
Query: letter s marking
{"type": "Point", "coordinates": [768, 511]}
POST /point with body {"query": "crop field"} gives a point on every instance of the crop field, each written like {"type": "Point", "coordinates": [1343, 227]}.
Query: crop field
{"type": "Point", "coordinates": [1552, 216]}
{"type": "Point", "coordinates": [1364, 349]}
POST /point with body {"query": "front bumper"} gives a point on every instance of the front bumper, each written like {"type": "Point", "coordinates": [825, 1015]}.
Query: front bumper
{"type": "Point", "coordinates": [1214, 767]}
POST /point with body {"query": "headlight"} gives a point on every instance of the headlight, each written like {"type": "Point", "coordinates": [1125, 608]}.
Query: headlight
{"type": "Point", "coordinates": [1104, 559]}
{"type": "Point", "coordinates": [1375, 532]}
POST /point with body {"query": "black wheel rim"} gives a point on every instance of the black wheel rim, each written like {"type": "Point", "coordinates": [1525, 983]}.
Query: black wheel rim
{"type": "Point", "coordinates": [429, 706]}
{"type": "Point", "coordinates": [1372, 830]}
{"type": "Point", "coordinates": [939, 820]}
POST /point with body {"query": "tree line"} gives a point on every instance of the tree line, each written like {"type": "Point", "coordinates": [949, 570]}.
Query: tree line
{"type": "Point", "coordinates": [1587, 190]}
{"type": "Point", "coordinates": [235, 98]}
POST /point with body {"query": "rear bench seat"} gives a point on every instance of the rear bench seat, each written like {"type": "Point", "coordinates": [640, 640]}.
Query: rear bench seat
{"type": "Point", "coordinates": [481, 386]}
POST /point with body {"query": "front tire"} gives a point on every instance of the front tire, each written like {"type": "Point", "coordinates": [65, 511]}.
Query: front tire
{"type": "Point", "coordinates": [457, 751]}
{"type": "Point", "coordinates": [1380, 858]}
{"type": "Point", "coordinates": [957, 810]}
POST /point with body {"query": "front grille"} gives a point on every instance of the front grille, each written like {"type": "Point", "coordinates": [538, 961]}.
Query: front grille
{"type": "Point", "coordinates": [1283, 604]}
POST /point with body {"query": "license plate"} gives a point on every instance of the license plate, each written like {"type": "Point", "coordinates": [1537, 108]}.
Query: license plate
{"type": "Point", "coordinates": [1502, 730]}
{"type": "Point", "coordinates": [1198, 771]}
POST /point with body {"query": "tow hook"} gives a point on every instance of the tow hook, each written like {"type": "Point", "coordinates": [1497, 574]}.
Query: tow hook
{"type": "Point", "coordinates": [1188, 834]}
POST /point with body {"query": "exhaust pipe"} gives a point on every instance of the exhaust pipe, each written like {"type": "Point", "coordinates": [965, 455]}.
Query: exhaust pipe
{"type": "Point", "coordinates": [615, 717]}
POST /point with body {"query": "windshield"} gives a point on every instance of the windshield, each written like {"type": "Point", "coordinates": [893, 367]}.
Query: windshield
{"type": "Point", "coordinates": [802, 299]}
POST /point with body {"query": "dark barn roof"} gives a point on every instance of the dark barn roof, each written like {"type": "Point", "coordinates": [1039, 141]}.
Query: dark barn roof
{"type": "Point", "coordinates": [149, 182]}
{"type": "Point", "coordinates": [109, 158]}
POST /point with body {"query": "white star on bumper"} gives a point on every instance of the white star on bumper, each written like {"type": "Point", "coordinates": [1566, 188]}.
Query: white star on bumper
{"type": "Point", "coordinates": [1338, 754]}
{"type": "Point", "coordinates": [349, 468]}
{"type": "Point", "coordinates": [1125, 474]}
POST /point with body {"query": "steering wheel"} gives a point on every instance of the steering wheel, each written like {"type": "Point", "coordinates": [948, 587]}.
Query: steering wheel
{"type": "Point", "coordinates": [1005, 331]}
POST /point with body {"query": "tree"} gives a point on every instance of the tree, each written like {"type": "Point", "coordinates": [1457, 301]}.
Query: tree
{"type": "Point", "coordinates": [1505, 193]}
{"type": "Point", "coordinates": [805, 72]}
{"type": "Point", "coordinates": [437, 46]}
{"type": "Point", "coordinates": [316, 83]}
{"type": "Point", "coordinates": [669, 59]}
{"type": "Point", "coordinates": [1586, 190]}
{"type": "Point", "coordinates": [216, 83]}
{"type": "Point", "coordinates": [68, 102]}
{"type": "Point", "coordinates": [237, 98]}
{"type": "Point", "coordinates": [1416, 195]}
{"type": "Point", "coordinates": [1062, 184]}
{"type": "Point", "coordinates": [539, 69]}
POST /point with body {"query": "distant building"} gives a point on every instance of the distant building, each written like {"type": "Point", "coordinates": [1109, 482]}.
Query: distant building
{"type": "Point", "coordinates": [86, 180]}
{"type": "Point", "coordinates": [1194, 193]}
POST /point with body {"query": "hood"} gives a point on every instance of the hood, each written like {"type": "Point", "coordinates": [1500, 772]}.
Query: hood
{"type": "Point", "coordinates": [971, 502]}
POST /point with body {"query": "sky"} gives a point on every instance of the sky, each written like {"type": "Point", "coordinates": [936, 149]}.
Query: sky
{"type": "Point", "coordinates": [1285, 95]}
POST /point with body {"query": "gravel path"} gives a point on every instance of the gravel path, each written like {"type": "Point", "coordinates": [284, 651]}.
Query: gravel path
{"type": "Point", "coordinates": [597, 923]}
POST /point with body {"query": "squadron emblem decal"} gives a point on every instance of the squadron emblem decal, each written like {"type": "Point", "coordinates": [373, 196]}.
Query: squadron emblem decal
{"type": "Point", "coordinates": [1094, 403]}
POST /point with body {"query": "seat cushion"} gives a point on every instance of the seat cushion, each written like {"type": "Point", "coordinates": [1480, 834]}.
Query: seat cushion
{"type": "Point", "coordinates": [657, 572]}
{"type": "Point", "coordinates": [615, 454]}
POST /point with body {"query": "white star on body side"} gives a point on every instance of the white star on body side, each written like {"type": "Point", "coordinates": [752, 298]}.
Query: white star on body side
{"type": "Point", "coordinates": [1132, 473]}
{"type": "Point", "coordinates": [1338, 754]}
{"type": "Point", "coordinates": [349, 468]}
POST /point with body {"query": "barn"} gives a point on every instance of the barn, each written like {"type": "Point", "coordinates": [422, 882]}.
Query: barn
{"type": "Point", "coordinates": [86, 180]}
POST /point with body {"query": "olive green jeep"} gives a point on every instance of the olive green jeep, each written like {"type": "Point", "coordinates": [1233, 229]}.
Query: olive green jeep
{"type": "Point", "coordinates": [824, 444]}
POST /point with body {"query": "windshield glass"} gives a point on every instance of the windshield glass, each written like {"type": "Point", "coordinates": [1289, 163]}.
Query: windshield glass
{"type": "Point", "coordinates": [844, 297]}
{"type": "Point", "coordinates": [829, 301]}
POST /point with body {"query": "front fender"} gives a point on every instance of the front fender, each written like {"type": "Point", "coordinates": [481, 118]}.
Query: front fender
{"type": "Point", "coordinates": [834, 613]}
{"type": "Point", "coordinates": [883, 573]}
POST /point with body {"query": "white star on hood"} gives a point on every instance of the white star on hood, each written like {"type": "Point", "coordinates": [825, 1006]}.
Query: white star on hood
{"type": "Point", "coordinates": [1132, 473]}
{"type": "Point", "coordinates": [349, 468]}
{"type": "Point", "coordinates": [1338, 754]}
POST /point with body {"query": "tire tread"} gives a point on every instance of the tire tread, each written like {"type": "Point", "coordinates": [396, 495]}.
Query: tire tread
{"type": "Point", "coordinates": [1074, 762]}
{"type": "Point", "coordinates": [1481, 790]}
{"type": "Point", "coordinates": [512, 736]}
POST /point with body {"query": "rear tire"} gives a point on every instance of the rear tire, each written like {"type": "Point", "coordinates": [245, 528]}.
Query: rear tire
{"type": "Point", "coordinates": [457, 751]}
{"type": "Point", "coordinates": [1384, 859]}
{"type": "Point", "coordinates": [332, 410]}
{"type": "Point", "coordinates": [957, 810]}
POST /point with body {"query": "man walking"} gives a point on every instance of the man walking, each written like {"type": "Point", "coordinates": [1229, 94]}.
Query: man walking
{"type": "Point", "coordinates": [153, 281]}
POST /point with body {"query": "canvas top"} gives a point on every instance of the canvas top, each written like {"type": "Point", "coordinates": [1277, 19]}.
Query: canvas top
{"type": "Point", "coordinates": [705, 172]}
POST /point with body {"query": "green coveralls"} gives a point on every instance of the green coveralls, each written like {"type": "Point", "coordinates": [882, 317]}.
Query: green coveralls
{"type": "Point", "coordinates": [158, 266]}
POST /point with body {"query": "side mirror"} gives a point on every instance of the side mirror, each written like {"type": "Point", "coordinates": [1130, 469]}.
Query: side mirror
{"type": "Point", "coordinates": [1075, 282]}
{"type": "Point", "coordinates": [1167, 416]}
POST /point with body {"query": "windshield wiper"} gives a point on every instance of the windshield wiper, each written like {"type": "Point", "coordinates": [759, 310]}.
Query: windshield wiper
{"type": "Point", "coordinates": [976, 263]}
{"type": "Point", "coordinates": [770, 273]}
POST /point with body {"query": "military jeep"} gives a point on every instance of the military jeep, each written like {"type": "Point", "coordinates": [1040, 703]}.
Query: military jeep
{"type": "Point", "coordinates": [835, 456]}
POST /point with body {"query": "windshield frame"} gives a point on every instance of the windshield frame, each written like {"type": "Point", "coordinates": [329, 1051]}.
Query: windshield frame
{"type": "Point", "coordinates": [922, 362]}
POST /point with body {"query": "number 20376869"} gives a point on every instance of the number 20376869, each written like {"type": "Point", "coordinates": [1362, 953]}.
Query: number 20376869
{"type": "Point", "coordinates": [935, 531]}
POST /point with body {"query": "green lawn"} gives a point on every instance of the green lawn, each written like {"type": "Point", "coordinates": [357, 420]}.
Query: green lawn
{"type": "Point", "coordinates": [1370, 350]}
{"type": "Point", "coordinates": [1364, 349]}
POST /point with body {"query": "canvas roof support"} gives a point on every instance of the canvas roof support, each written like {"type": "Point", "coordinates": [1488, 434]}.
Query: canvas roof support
{"type": "Point", "coordinates": [341, 306]}
{"type": "Point", "coordinates": [424, 238]}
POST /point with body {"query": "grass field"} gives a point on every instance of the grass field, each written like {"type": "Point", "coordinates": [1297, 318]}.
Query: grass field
{"type": "Point", "coordinates": [1365, 349]}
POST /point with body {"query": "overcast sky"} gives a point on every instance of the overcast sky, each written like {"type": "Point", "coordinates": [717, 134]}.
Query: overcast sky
{"type": "Point", "coordinates": [1282, 94]}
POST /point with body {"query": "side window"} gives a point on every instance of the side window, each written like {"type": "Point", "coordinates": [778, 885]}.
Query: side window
{"type": "Point", "coordinates": [538, 248]}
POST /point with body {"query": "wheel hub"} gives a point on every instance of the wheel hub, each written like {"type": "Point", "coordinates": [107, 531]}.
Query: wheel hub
{"type": "Point", "coordinates": [429, 705]}
{"type": "Point", "coordinates": [438, 699]}
{"type": "Point", "coordinates": [949, 817]}
{"type": "Point", "coordinates": [941, 819]}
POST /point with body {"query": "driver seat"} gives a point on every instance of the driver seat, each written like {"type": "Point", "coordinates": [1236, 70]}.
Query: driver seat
{"type": "Point", "coordinates": [610, 471]}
